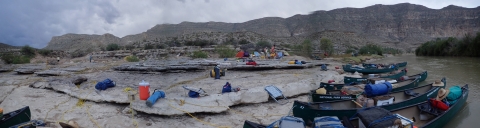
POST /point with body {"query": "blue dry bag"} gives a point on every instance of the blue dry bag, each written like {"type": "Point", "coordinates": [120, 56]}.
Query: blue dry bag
{"type": "Point", "coordinates": [157, 94]}
{"type": "Point", "coordinates": [107, 83]}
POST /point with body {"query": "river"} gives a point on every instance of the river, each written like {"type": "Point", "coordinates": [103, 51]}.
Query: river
{"type": "Point", "coordinates": [457, 71]}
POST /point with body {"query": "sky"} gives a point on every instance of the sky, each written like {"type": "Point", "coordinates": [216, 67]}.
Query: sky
{"type": "Point", "coordinates": [35, 22]}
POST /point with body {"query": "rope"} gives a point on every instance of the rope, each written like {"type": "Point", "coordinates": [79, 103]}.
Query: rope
{"type": "Point", "coordinates": [127, 90]}
{"type": "Point", "coordinates": [204, 122]}
{"type": "Point", "coordinates": [90, 116]}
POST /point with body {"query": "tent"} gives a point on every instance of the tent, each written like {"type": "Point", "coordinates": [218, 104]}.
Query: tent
{"type": "Point", "coordinates": [239, 54]}
{"type": "Point", "coordinates": [256, 54]}
{"type": "Point", "coordinates": [246, 54]}
{"type": "Point", "coordinates": [279, 55]}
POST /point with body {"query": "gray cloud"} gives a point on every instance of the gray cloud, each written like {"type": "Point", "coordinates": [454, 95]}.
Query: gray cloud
{"type": "Point", "coordinates": [34, 23]}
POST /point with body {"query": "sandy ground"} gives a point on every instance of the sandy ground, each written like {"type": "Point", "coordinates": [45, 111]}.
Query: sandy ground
{"type": "Point", "coordinates": [57, 106]}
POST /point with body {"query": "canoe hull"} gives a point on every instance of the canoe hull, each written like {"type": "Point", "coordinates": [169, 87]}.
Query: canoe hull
{"type": "Point", "coordinates": [443, 119]}
{"type": "Point", "coordinates": [348, 80]}
{"type": "Point", "coordinates": [325, 97]}
{"type": "Point", "coordinates": [307, 113]}
{"type": "Point", "coordinates": [349, 68]}
{"type": "Point", "coordinates": [249, 124]}
{"type": "Point", "coordinates": [401, 64]}
{"type": "Point", "coordinates": [22, 115]}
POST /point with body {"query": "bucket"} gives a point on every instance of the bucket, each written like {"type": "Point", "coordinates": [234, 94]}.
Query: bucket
{"type": "Point", "coordinates": [144, 90]}
{"type": "Point", "coordinates": [157, 94]}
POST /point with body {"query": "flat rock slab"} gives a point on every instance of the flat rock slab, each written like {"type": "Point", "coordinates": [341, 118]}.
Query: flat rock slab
{"type": "Point", "coordinates": [156, 68]}
{"type": "Point", "coordinates": [5, 69]}
{"type": "Point", "coordinates": [52, 73]}
{"type": "Point", "coordinates": [113, 94]}
{"type": "Point", "coordinates": [216, 103]}
{"type": "Point", "coordinates": [27, 70]}
{"type": "Point", "coordinates": [5, 91]}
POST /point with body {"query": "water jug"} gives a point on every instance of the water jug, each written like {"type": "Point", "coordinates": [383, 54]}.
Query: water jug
{"type": "Point", "coordinates": [157, 94]}
{"type": "Point", "coordinates": [144, 90]}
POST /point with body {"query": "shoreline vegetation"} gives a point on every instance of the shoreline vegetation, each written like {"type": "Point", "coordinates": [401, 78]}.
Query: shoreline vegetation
{"type": "Point", "coordinates": [466, 46]}
{"type": "Point", "coordinates": [310, 49]}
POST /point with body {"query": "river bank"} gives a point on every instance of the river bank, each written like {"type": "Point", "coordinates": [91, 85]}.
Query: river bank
{"type": "Point", "coordinates": [53, 99]}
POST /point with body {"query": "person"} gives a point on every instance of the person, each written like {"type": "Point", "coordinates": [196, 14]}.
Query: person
{"type": "Point", "coordinates": [266, 52]}
{"type": "Point", "coordinates": [273, 49]}
{"type": "Point", "coordinates": [90, 58]}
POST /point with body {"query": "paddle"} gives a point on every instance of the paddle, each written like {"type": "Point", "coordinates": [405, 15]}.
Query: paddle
{"type": "Point", "coordinates": [357, 103]}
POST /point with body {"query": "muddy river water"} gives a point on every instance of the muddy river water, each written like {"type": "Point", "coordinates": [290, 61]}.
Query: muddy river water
{"type": "Point", "coordinates": [457, 71]}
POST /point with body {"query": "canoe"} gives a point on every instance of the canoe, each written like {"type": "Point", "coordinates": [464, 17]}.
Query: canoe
{"type": "Point", "coordinates": [349, 68]}
{"type": "Point", "coordinates": [351, 80]}
{"type": "Point", "coordinates": [15, 117]}
{"type": "Point", "coordinates": [434, 122]}
{"type": "Point", "coordinates": [249, 124]}
{"type": "Point", "coordinates": [401, 64]}
{"type": "Point", "coordinates": [392, 75]}
{"type": "Point", "coordinates": [336, 94]}
{"type": "Point", "coordinates": [340, 108]}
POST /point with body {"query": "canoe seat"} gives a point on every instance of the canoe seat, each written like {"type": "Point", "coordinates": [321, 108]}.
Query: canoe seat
{"type": "Point", "coordinates": [411, 93]}
{"type": "Point", "coordinates": [274, 92]}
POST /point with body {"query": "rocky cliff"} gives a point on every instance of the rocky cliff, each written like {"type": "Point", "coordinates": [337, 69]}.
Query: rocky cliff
{"type": "Point", "coordinates": [401, 25]}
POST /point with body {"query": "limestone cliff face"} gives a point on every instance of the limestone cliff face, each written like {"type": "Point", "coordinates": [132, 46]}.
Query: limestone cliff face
{"type": "Point", "coordinates": [405, 24]}
{"type": "Point", "coordinates": [73, 42]}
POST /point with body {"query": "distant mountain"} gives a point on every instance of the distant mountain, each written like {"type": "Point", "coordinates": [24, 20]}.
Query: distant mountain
{"type": "Point", "coordinates": [402, 25]}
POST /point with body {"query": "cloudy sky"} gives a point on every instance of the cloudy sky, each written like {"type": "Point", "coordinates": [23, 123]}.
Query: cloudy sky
{"type": "Point", "coordinates": [34, 22]}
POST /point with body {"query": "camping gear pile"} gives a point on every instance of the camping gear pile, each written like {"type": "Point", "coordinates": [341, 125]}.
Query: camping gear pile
{"type": "Point", "coordinates": [228, 88]}
{"type": "Point", "coordinates": [194, 92]}
{"type": "Point", "coordinates": [377, 117]}
{"type": "Point", "coordinates": [328, 122]}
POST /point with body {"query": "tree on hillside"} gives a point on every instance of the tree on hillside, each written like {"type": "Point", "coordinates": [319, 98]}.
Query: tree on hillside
{"type": "Point", "coordinates": [28, 51]}
{"type": "Point", "coordinates": [326, 45]}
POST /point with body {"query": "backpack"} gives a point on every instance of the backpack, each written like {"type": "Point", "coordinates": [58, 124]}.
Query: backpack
{"type": "Point", "coordinates": [438, 104]}
{"type": "Point", "coordinates": [455, 93]}
{"type": "Point", "coordinates": [103, 85]}
{"type": "Point", "coordinates": [193, 94]}
{"type": "Point", "coordinates": [227, 88]}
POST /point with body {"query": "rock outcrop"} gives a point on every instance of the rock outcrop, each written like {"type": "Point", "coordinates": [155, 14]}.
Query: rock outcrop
{"type": "Point", "coordinates": [402, 25]}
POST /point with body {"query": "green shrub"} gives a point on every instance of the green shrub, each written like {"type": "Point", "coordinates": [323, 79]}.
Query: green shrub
{"type": "Point", "coordinates": [148, 46]}
{"type": "Point", "coordinates": [129, 47]}
{"type": "Point", "coordinates": [198, 42]}
{"type": "Point", "coordinates": [466, 46]}
{"type": "Point", "coordinates": [132, 59]}
{"type": "Point", "coordinates": [44, 52]}
{"type": "Point", "coordinates": [225, 52]}
{"type": "Point", "coordinates": [28, 51]}
{"type": "Point", "coordinates": [15, 59]}
{"type": "Point", "coordinates": [305, 49]}
{"type": "Point", "coordinates": [112, 47]}
{"type": "Point", "coordinates": [243, 41]}
{"type": "Point", "coordinates": [326, 46]}
{"type": "Point", "coordinates": [371, 49]}
{"type": "Point", "coordinates": [262, 44]}
{"type": "Point", "coordinates": [199, 54]}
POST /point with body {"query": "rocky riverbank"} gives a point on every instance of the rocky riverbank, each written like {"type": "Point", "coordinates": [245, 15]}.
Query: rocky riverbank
{"type": "Point", "coordinates": [52, 94]}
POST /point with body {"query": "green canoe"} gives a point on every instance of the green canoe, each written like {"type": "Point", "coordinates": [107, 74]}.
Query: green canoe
{"type": "Point", "coordinates": [401, 64]}
{"type": "Point", "coordinates": [336, 94]}
{"type": "Point", "coordinates": [16, 117]}
{"type": "Point", "coordinates": [340, 108]}
{"type": "Point", "coordinates": [249, 124]}
{"type": "Point", "coordinates": [349, 68]}
{"type": "Point", "coordinates": [350, 80]}
{"type": "Point", "coordinates": [437, 121]}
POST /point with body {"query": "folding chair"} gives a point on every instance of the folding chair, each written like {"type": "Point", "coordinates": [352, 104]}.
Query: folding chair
{"type": "Point", "coordinates": [274, 92]}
